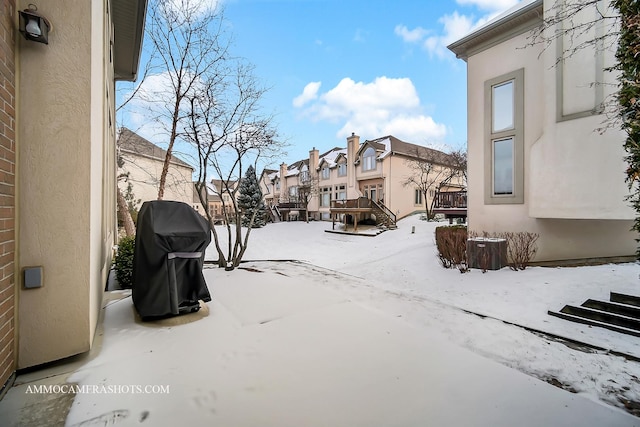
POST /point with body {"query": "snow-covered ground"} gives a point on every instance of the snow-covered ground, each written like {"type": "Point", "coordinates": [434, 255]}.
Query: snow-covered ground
{"type": "Point", "coordinates": [359, 331]}
{"type": "Point", "coordinates": [403, 277]}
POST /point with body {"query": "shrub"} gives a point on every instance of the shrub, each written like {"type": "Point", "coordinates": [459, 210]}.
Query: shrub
{"type": "Point", "coordinates": [124, 261]}
{"type": "Point", "coordinates": [451, 242]}
{"type": "Point", "coordinates": [521, 248]}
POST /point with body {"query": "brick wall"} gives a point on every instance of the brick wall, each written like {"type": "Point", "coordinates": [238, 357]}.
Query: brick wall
{"type": "Point", "coordinates": [7, 190]}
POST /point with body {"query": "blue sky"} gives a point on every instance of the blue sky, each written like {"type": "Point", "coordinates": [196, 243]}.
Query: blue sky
{"type": "Point", "coordinates": [374, 67]}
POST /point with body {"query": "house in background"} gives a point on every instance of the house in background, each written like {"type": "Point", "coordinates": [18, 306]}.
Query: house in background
{"type": "Point", "coordinates": [143, 162]}
{"type": "Point", "coordinates": [375, 170]}
{"type": "Point", "coordinates": [58, 173]}
{"type": "Point", "coordinates": [219, 203]}
{"type": "Point", "coordinates": [536, 161]}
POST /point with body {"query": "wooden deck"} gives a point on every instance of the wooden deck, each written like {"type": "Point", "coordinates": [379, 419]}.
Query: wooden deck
{"type": "Point", "coordinates": [451, 204]}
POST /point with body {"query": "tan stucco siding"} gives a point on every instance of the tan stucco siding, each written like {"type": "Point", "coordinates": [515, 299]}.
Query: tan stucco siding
{"type": "Point", "coordinates": [570, 171]}
{"type": "Point", "coordinates": [56, 211]}
{"type": "Point", "coordinates": [144, 175]}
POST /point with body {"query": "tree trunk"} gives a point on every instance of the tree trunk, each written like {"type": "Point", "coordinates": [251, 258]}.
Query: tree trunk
{"type": "Point", "coordinates": [129, 226]}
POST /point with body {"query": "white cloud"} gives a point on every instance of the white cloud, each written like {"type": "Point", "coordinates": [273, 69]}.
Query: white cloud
{"type": "Point", "coordinates": [193, 8]}
{"type": "Point", "coordinates": [410, 36]}
{"type": "Point", "coordinates": [309, 93]}
{"type": "Point", "coordinates": [490, 5]}
{"type": "Point", "coordinates": [454, 26]}
{"type": "Point", "coordinates": [386, 106]}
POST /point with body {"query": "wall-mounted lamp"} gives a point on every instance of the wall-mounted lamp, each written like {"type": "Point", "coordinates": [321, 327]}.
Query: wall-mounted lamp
{"type": "Point", "coordinates": [34, 26]}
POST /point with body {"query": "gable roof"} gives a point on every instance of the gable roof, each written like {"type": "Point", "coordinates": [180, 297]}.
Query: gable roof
{"type": "Point", "coordinates": [131, 142]}
{"type": "Point", "coordinates": [388, 145]}
{"type": "Point", "coordinates": [523, 17]}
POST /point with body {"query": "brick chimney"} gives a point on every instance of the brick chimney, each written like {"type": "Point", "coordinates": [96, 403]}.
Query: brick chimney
{"type": "Point", "coordinates": [353, 144]}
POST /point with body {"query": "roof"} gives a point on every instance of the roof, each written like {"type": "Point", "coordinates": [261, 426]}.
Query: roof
{"type": "Point", "coordinates": [131, 142]}
{"type": "Point", "coordinates": [128, 25]}
{"type": "Point", "coordinates": [388, 145]}
{"type": "Point", "coordinates": [522, 17]}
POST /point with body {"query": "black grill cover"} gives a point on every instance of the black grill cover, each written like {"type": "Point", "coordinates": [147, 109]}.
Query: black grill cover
{"type": "Point", "coordinates": [171, 239]}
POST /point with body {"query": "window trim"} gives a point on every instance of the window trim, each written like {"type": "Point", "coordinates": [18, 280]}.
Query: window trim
{"type": "Point", "coordinates": [517, 133]}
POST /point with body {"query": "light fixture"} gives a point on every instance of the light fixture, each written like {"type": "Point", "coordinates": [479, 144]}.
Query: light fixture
{"type": "Point", "coordinates": [34, 26]}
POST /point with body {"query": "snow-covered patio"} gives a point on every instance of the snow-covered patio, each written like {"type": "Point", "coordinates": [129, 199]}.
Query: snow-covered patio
{"type": "Point", "coordinates": [367, 331]}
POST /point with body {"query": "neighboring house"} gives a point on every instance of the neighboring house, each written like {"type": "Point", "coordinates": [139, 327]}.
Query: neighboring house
{"type": "Point", "coordinates": [221, 204]}
{"type": "Point", "coordinates": [376, 170]}
{"type": "Point", "coordinates": [58, 142]}
{"type": "Point", "coordinates": [536, 161]}
{"type": "Point", "coordinates": [143, 162]}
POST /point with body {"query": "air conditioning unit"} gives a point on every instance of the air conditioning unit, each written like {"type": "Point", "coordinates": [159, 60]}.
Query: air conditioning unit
{"type": "Point", "coordinates": [486, 253]}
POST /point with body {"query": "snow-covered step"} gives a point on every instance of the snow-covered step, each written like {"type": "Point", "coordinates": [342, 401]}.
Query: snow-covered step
{"type": "Point", "coordinates": [602, 316]}
{"type": "Point", "coordinates": [625, 299]}
{"type": "Point", "coordinates": [613, 307]}
{"type": "Point", "coordinates": [586, 321]}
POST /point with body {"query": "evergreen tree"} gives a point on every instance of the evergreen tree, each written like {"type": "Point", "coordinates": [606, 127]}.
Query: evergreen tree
{"type": "Point", "coordinates": [628, 56]}
{"type": "Point", "coordinates": [250, 200]}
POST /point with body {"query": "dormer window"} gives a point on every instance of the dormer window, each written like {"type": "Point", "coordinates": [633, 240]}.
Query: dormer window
{"type": "Point", "coordinates": [342, 169]}
{"type": "Point", "coordinates": [325, 172]}
{"type": "Point", "coordinates": [369, 159]}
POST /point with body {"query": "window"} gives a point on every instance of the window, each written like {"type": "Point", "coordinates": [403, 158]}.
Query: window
{"type": "Point", "coordinates": [369, 159]}
{"type": "Point", "coordinates": [341, 192]}
{"type": "Point", "coordinates": [417, 197]}
{"type": "Point", "coordinates": [325, 196]}
{"type": "Point", "coordinates": [504, 139]}
{"type": "Point", "coordinates": [342, 169]}
{"type": "Point", "coordinates": [277, 184]}
{"type": "Point", "coordinates": [503, 166]}
{"type": "Point", "coordinates": [293, 191]}
{"type": "Point", "coordinates": [325, 172]}
{"type": "Point", "coordinates": [304, 174]}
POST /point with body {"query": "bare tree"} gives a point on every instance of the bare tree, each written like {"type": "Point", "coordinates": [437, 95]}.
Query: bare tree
{"type": "Point", "coordinates": [307, 190]}
{"type": "Point", "coordinates": [188, 42]}
{"type": "Point", "coordinates": [431, 170]}
{"type": "Point", "coordinates": [229, 132]}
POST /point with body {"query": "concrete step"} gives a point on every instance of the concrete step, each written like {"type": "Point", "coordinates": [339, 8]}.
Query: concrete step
{"type": "Point", "coordinates": [603, 317]}
{"type": "Point", "coordinates": [586, 321]}
{"type": "Point", "coordinates": [612, 307]}
{"type": "Point", "coordinates": [625, 299]}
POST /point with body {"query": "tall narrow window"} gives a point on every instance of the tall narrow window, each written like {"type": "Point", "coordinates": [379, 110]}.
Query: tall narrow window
{"type": "Point", "coordinates": [504, 139]}
{"type": "Point", "coordinates": [502, 108]}
{"type": "Point", "coordinates": [418, 197]}
{"type": "Point", "coordinates": [503, 166]}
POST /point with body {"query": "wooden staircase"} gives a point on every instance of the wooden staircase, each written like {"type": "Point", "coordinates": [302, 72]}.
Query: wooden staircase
{"type": "Point", "coordinates": [384, 216]}
{"type": "Point", "coordinates": [621, 313]}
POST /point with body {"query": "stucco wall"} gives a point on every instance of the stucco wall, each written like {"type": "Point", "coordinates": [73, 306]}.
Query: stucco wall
{"type": "Point", "coordinates": [64, 215]}
{"type": "Point", "coordinates": [570, 171]}
{"type": "Point", "coordinates": [144, 175]}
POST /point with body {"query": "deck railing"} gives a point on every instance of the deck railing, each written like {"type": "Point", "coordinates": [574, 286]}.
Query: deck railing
{"type": "Point", "coordinates": [361, 202]}
{"type": "Point", "coordinates": [451, 200]}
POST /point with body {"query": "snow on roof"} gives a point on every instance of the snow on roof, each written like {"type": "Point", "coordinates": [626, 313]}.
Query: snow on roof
{"type": "Point", "coordinates": [331, 156]}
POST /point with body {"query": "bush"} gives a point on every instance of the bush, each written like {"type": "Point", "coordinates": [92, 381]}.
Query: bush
{"type": "Point", "coordinates": [451, 242]}
{"type": "Point", "coordinates": [124, 261]}
{"type": "Point", "coordinates": [521, 248]}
